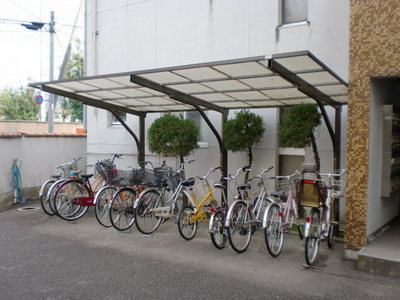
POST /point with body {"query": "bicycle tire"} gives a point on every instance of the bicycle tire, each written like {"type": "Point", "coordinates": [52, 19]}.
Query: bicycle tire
{"type": "Point", "coordinates": [44, 200]}
{"type": "Point", "coordinates": [122, 209]}
{"type": "Point", "coordinates": [186, 228]}
{"type": "Point", "coordinates": [311, 244]}
{"type": "Point", "coordinates": [64, 206]}
{"type": "Point", "coordinates": [239, 231]}
{"type": "Point", "coordinates": [218, 233]}
{"type": "Point", "coordinates": [103, 203]}
{"type": "Point", "coordinates": [329, 239]}
{"type": "Point", "coordinates": [300, 231]}
{"type": "Point", "coordinates": [146, 221]}
{"type": "Point", "coordinates": [273, 232]}
{"type": "Point", "coordinates": [50, 194]}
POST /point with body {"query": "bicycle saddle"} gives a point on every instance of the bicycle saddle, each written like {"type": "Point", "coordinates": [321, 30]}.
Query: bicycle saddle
{"type": "Point", "coordinates": [87, 176]}
{"type": "Point", "coordinates": [244, 186]}
{"type": "Point", "coordinates": [219, 185]}
{"type": "Point", "coordinates": [188, 182]}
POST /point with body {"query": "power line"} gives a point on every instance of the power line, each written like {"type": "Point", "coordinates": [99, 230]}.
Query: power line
{"type": "Point", "coordinates": [19, 6]}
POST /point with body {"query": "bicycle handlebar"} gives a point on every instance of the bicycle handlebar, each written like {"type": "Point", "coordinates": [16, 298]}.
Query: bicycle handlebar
{"type": "Point", "coordinates": [288, 176]}
{"type": "Point", "coordinates": [69, 163]}
{"type": "Point", "coordinates": [342, 171]}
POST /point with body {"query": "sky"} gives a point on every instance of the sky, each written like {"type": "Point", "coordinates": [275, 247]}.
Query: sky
{"type": "Point", "coordinates": [24, 54]}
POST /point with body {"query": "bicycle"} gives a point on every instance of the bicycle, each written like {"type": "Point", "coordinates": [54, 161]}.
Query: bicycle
{"type": "Point", "coordinates": [244, 218]}
{"type": "Point", "coordinates": [73, 196]}
{"type": "Point", "coordinates": [102, 200]}
{"type": "Point", "coordinates": [320, 225]}
{"type": "Point", "coordinates": [189, 216]}
{"type": "Point", "coordinates": [122, 206]}
{"type": "Point", "coordinates": [216, 225]}
{"type": "Point", "coordinates": [49, 185]}
{"type": "Point", "coordinates": [152, 208]}
{"type": "Point", "coordinates": [280, 214]}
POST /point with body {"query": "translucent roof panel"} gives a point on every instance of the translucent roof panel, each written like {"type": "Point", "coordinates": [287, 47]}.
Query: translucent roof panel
{"type": "Point", "coordinates": [198, 74]}
{"type": "Point", "coordinates": [299, 63]}
{"type": "Point", "coordinates": [165, 77]}
{"type": "Point", "coordinates": [243, 69]}
{"type": "Point", "coordinates": [261, 81]}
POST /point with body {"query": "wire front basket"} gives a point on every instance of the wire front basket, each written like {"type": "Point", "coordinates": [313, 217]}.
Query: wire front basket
{"type": "Point", "coordinates": [68, 168]}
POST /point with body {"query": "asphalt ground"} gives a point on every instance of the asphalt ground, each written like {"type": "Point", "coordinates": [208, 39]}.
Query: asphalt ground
{"type": "Point", "coordinates": [44, 257]}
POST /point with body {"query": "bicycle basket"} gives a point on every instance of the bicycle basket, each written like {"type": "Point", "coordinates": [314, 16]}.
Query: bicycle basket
{"type": "Point", "coordinates": [150, 177]}
{"type": "Point", "coordinates": [68, 168]}
{"type": "Point", "coordinates": [282, 183]}
{"type": "Point", "coordinates": [310, 192]}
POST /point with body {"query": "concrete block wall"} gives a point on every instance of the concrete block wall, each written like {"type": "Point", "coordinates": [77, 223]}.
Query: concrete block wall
{"type": "Point", "coordinates": [40, 156]}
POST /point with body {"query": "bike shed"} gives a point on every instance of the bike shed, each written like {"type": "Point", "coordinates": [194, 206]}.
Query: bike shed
{"type": "Point", "coordinates": [247, 83]}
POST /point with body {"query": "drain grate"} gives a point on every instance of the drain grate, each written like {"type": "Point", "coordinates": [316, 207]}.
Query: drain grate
{"type": "Point", "coordinates": [28, 208]}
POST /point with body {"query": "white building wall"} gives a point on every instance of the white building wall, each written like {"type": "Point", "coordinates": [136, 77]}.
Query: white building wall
{"type": "Point", "coordinates": [129, 35]}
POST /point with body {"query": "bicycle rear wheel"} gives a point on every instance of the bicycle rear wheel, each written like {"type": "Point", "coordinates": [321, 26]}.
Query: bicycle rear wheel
{"type": "Point", "coordinates": [239, 230]}
{"type": "Point", "coordinates": [122, 210]}
{"type": "Point", "coordinates": [329, 238]}
{"type": "Point", "coordinates": [103, 203]}
{"type": "Point", "coordinates": [186, 228]}
{"type": "Point", "coordinates": [44, 200]}
{"type": "Point", "coordinates": [64, 200]}
{"type": "Point", "coordinates": [311, 244]}
{"type": "Point", "coordinates": [146, 220]}
{"type": "Point", "coordinates": [218, 233]}
{"type": "Point", "coordinates": [273, 231]}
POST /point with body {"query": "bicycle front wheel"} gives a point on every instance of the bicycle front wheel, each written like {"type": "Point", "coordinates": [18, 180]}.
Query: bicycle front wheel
{"type": "Point", "coordinates": [103, 203]}
{"type": "Point", "coordinates": [65, 200]}
{"type": "Point", "coordinates": [218, 233]}
{"type": "Point", "coordinates": [329, 238]}
{"type": "Point", "coordinates": [186, 228]}
{"type": "Point", "coordinates": [122, 210]}
{"type": "Point", "coordinates": [239, 230]}
{"type": "Point", "coordinates": [44, 200]}
{"type": "Point", "coordinates": [146, 220]}
{"type": "Point", "coordinates": [311, 245]}
{"type": "Point", "coordinates": [273, 231]}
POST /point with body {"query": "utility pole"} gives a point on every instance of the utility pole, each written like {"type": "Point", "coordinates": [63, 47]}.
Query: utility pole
{"type": "Point", "coordinates": [51, 74]}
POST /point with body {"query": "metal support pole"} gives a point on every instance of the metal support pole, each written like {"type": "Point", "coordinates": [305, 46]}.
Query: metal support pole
{"type": "Point", "coordinates": [140, 147]}
{"type": "Point", "coordinates": [336, 161]}
{"type": "Point", "coordinates": [338, 133]}
{"type": "Point", "coordinates": [142, 137]}
{"type": "Point", "coordinates": [51, 74]}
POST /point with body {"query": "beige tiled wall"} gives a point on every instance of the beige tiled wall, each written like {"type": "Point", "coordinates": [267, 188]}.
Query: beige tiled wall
{"type": "Point", "coordinates": [374, 51]}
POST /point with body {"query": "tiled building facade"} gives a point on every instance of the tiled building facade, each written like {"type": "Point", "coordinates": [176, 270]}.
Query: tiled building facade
{"type": "Point", "coordinates": [374, 52]}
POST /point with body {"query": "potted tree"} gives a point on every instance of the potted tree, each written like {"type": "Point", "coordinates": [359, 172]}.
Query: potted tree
{"type": "Point", "coordinates": [296, 128]}
{"type": "Point", "coordinates": [242, 132]}
{"type": "Point", "coordinates": [172, 135]}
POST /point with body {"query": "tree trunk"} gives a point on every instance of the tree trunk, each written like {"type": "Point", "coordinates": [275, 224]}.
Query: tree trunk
{"type": "Point", "coordinates": [250, 161]}
{"type": "Point", "coordinates": [181, 159]}
{"type": "Point", "coordinates": [315, 151]}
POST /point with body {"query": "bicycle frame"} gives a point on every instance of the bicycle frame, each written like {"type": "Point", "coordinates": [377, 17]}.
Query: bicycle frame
{"type": "Point", "coordinates": [168, 210]}
{"type": "Point", "coordinates": [255, 211]}
{"type": "Point", "coordinates": [285, 207]}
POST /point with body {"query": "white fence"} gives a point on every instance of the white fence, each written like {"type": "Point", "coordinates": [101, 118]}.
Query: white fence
{"type": "Point", "coordinates": [40, 155]}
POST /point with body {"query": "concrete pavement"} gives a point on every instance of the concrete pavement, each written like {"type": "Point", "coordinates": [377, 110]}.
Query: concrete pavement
{"type": "Point", "coordinates": [44, 257]}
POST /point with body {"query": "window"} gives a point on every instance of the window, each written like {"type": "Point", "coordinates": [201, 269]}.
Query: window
{"type": "Point", "coordinates": [294, 11]}
{"type": "Point", "coordinates": [114, 120]}
{"type": "Point", "coordinates": [200, 123]}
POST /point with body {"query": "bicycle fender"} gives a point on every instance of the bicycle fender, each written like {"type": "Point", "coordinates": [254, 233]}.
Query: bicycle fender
{"type": "Point", "coordinates": [264, 222]}
{"type": "Point", "coordinates": [230, 211]}
{"type": "Point", "coordinates": [96, 198]}
{"type": "Point", "coordinates": [211, 222]}
{"type": "Point", "coordinates": [51, 189]}
{"type": "Point", "coordinates": [43, 185]}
